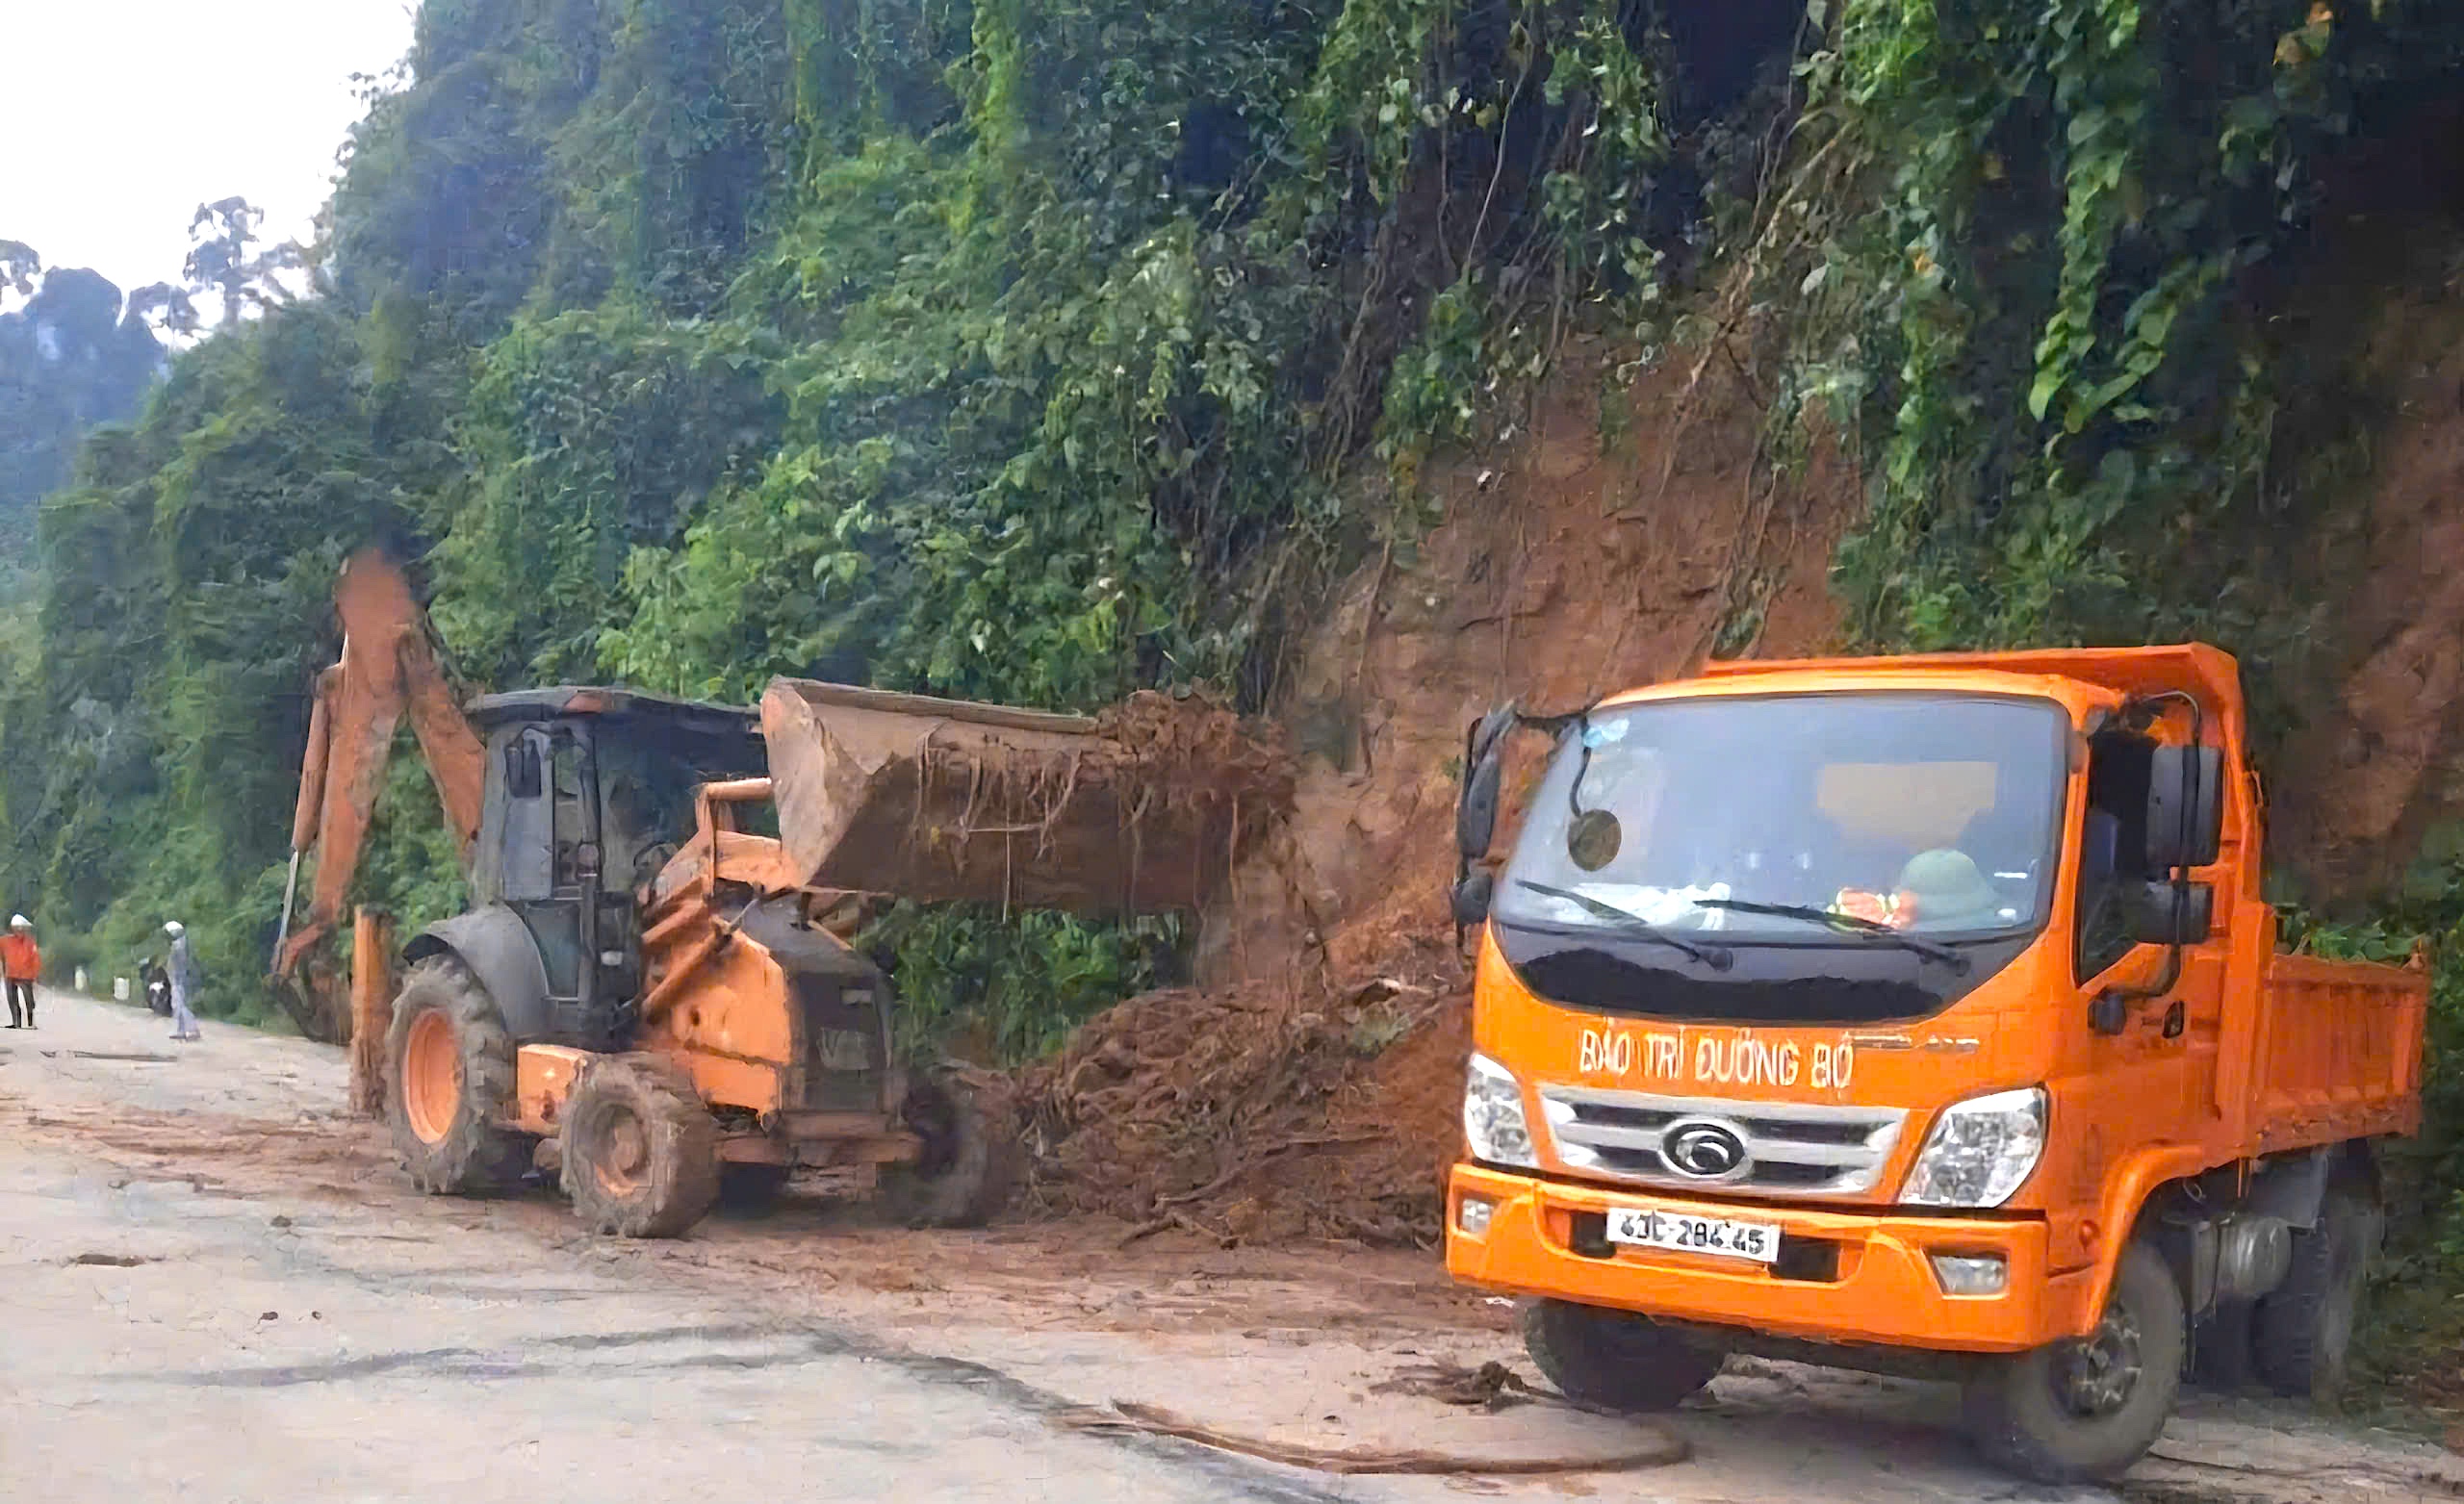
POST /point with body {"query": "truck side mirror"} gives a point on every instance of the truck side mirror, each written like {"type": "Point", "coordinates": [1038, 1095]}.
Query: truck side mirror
{"type": "Point", "coordinates": [522, 780]}
{"type": "Point", "coordinates": [1475, 808]}
{"type": "Point", "coordinates": [1471, 897]}
{"type": "Point", "coordinates": [2185, 806]}
{"type": "Point", "coordinates": [2163, 913]}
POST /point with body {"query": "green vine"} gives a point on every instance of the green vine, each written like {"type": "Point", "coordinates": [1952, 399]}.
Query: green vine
{"type": "Point", "coordinates": [2015, 231]}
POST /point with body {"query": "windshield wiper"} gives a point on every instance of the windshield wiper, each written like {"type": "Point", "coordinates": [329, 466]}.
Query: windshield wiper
{"type": "Point", "coordinates": [1715, 956]}
{"type": "Point", "coordinates": [1851, 924]}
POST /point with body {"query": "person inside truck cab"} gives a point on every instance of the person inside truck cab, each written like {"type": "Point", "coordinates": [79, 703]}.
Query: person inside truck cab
{"type": "Point", "coordinates": [1946, 889]}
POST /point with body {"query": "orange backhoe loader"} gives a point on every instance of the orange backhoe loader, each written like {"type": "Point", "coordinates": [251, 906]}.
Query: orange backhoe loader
{"type": "Point", "coordinates": [648, 980]}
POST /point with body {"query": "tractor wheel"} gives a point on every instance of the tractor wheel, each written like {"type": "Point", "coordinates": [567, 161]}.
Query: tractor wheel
{"type": "Point", "coordinates": [1616, 1360]}
{"type": "Point", "coordinates": [641, 1152]}
{"type": "Point", "coordinates": [972, 1158]}
{"type": "Point", "coordinates": [450, 1079]}
{"type": "Point", "coordinates": [2304, 1332]}
{"type": "Point", "coordinates": [2084, 1411]}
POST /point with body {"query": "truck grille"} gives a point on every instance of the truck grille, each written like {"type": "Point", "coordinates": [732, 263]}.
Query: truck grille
{"type": "Point", "coordinates": [1788, 1148]}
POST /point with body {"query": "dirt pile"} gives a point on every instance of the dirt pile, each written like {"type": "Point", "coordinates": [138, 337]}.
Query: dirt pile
{"type": "Point", "coordinates": [1257, 1114]}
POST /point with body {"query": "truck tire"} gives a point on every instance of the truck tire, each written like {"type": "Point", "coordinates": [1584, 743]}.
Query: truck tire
{"type": "Point", "coordinates": [641, 1151]}
{"type": "Point", "coordinates": [2305, 1331]}
{"type": "Point", "coordinates": [2083, 1411]}
{"type": "Point", "coordinates": [972, 1158]}
{"type": "Point", "coordinates": [1616, 1360]}
{"type": "Point", "coordinates": [450, 1079]}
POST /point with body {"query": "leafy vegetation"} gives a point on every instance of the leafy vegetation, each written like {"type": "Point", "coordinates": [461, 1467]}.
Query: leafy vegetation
{"type": "Point", "coordinates": [1006, 349]}
{"type": "Point", "coordinates": [2044, 259]}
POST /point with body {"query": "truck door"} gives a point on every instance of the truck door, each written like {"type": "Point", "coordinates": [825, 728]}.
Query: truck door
{"type": "Point", "coordinates": [550, 861]}
{"type": "Point", "coordinates": [2147, 1077]}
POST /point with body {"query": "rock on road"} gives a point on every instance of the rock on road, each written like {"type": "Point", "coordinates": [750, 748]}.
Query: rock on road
{"type": "Point", "coordinates": [213, 1286]}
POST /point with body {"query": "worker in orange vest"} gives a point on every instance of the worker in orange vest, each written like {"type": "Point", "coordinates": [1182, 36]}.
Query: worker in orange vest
{"type": "Point", "coordinates": [22, 960]}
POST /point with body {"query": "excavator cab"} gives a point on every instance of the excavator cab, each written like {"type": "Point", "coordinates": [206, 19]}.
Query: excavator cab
{"type": "Point", "coordinates": [589, 793]}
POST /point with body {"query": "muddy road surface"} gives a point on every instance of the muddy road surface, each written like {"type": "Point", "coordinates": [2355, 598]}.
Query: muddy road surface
{"type": "Point", "coordinates": [213, 1285]}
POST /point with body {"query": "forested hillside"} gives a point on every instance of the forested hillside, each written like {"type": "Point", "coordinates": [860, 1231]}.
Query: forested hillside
{"type": "Point", "coordinates": [1039, 349]}
{"type": "Point", "coordinates": [73, 354]}
{"type": "Point", "coordinates": [1013, 350]}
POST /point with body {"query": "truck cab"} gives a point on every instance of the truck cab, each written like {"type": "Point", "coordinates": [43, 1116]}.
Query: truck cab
{"type": "Point", "coordinates": [1920, 1014]}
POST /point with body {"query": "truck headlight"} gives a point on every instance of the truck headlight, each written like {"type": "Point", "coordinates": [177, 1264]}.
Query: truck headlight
{"type": "Point", "coordinates": [1493, 1121]}
{"type": "Point", "coordinates": [1980, 1151]}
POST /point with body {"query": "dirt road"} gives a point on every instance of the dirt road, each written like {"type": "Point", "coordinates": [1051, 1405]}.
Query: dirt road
{"type": "Point", "coordinates": [213, 1281]}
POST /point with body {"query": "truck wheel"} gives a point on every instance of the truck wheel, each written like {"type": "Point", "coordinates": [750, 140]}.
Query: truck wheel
{"type": "Point", "coordinates": [448, 1080]}
{"type": "Point", "coordinates": [2084, 1411]}
{"type": "Point", "coordinates": [2222, 1360]}
{"type": "Point", "coordinates": [1616, 1360]}
{"type": "Point", "coordinates": [641, 1151]}
{"type": "Point", "coordinates": [751, 1187]}
{"type": "Point", "coordinates": [972, 1159]}
{"type": "Point", "coordinates": [2305, 1333]}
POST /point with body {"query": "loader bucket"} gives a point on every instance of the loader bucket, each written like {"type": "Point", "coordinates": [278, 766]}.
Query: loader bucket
{"type": "Point", "coordinates": [1142, 809]}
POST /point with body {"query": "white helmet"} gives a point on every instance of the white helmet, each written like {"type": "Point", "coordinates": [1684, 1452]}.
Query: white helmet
{"type": "Point", "coordinates": [173, 928]}
{"type": "Point", "coordinates": [20, 922]}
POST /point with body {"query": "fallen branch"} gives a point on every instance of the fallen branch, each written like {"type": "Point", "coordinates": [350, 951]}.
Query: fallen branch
{"type": "Point", "coordinates": [1186, 1223]}
{"type": "Point", "coordinates": [1492, 1386]}
{"type": "Point", "coordinates": [1127, 1417]}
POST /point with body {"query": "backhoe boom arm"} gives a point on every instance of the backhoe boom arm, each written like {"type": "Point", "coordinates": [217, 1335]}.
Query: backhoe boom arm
{"type": "Point", "coordinates": [388, 669]}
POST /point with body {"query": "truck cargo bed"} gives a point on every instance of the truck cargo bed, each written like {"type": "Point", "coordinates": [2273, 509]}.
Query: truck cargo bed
{"type": "Point", "coordinates": [2339, 1051]}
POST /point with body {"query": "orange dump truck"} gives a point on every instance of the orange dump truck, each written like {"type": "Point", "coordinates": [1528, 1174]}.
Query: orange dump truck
{"type": "Point", "coordinates": [1921, 1016]}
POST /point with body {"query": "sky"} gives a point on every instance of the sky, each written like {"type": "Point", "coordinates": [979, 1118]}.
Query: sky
{"type": "Point", "coordinates": [119, 117]}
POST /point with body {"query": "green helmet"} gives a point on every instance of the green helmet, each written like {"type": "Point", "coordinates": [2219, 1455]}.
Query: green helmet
{"type": "Point", "coordinates": [1948, 889]}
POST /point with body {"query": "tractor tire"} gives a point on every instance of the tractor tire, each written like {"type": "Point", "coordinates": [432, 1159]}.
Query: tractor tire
{"type": "Point", "coordinates": [450, 1079]}
{"type": "Point", "coordinates": [1616, 1360]}
{"type": "Point", "coordinates": [2303, 1337]}
{"type": "Point", "coordinates": [973, 1158]}
{"type": "Point", "coordinates": [641, 1151]}
{"type": "Point", "coordinates": [2084, 1411]}
{"type": "Point", "coordinates": [752, 1187]}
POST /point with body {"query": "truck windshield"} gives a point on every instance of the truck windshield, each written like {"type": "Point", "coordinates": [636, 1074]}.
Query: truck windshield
{"type": "Point", "coordinates": [1889, 837]}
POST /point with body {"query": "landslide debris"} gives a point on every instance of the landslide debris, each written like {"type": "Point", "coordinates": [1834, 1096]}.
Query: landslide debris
{"type": "Point", "coordinates": [1263, 1111]}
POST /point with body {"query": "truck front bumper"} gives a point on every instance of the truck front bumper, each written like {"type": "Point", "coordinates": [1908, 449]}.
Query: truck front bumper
{"type": "Point", "coordinates": [1841, 1277]}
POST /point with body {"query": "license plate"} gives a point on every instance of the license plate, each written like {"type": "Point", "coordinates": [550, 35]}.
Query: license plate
{"type": "Point", "coordinates": [1645, 1228]}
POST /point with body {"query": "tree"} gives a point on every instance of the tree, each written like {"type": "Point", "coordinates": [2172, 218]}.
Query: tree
{"type": "Point", "coordinates": [69, 360]}
{"type": "Point", "coordinates": [19, 266]}
{"type": "Point", "coordinates": [224, 258]}
{"type": "Point", "coordinates": [163, 307]}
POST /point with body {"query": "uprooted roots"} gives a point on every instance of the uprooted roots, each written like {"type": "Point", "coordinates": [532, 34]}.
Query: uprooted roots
{"type": "Point", "coordinates": [1160, 804]}
{"type": "Point", "coordinates": [1248, 1115]}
